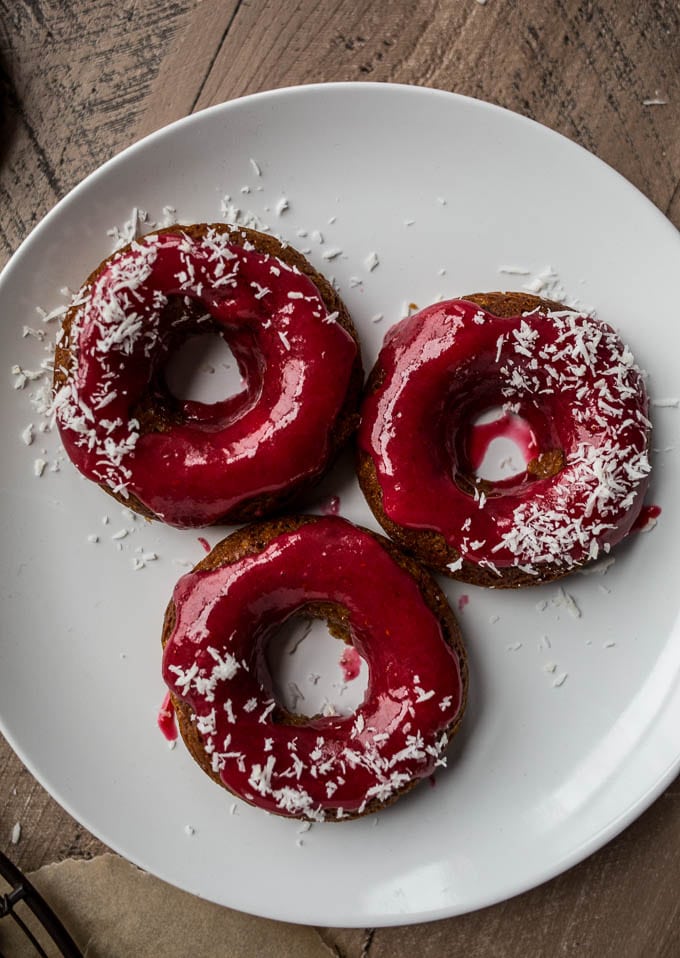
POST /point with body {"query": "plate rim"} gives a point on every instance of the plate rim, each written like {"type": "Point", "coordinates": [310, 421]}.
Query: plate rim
{"type": "Point", "coordinates": [414, 89]}
{"type": "Point", "coordinates": [633, 809]}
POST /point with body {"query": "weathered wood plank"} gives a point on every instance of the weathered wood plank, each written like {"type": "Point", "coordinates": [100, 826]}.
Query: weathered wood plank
{"type": "Point", "coordinates": [187, 65]}
{"type": "Point", "coordinates": [48, 833]}
{"type": "Point", "coordinates": [582, 68]}
{"type": "Point", "coordinates": [620, 903]}
{"type": "Point", "coordinates": [74, 78]}
{"type": "Point", "coordinates": [595, 909]}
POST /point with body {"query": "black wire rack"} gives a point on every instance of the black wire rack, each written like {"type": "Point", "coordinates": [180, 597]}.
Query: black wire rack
{"type": "Point", "coordinates": [24, 897]}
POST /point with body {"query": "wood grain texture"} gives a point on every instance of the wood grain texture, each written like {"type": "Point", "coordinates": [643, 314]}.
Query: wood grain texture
{"type": "Point", "coordinates": [81, 79]}
{"type": "Point", "coordinates": [184, 71]}
{"type": "Point", "coordinates": [74, 78]}
{"type": "Point", "coordinates": [582, 68]}
{"type": "Point", "coordinates": [48, 833]}
{"type": "Point", "coordinates": [620, 903]}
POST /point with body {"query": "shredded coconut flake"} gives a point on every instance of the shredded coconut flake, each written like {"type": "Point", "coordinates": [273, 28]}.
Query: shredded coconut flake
{"type": "Point", "coordinates": [514, 270]}
{"type": "Point", "coordinates": [568, 601]}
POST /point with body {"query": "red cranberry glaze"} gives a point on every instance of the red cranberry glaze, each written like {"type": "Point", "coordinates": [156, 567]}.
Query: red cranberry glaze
{"type": "Point", "coordinates": [166, 719]}
{"type": "Point", "coordinates": [296, 360]}
{"type": "Point", "coordinates": [330, 766]}
{"type": "Point", "coordinates": [575, 385]}
{"type": "Point", "coordinates": [647, 518]}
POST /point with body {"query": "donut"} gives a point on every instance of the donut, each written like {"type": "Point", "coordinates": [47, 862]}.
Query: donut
{"type": "Point", "coordinates": [569, 381]}
{"type": "Point", "coordinates": [320, 767]}
{"type": "Point", "coordinates": [189, 463]}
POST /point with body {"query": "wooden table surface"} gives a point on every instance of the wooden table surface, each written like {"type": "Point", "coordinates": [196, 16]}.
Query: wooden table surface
{"type": "Point", "coordinates": [81, 79]}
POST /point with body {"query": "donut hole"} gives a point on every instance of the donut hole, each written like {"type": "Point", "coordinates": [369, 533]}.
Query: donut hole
{"type": "Point", "coordinates": [500, 444]}
{"type": "Point", "coordinates": [312, 672]}
{"type": "Point", "coordinates": [500, 447]}
{"type": "Point", "coordinates": [203, 369]}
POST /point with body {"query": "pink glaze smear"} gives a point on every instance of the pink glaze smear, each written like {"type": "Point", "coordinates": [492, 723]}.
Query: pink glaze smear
{"type": "Point", "coordinates": [647, 515]}
{"type": "Point", "coordinates": [507, 426]}
{"type": "Point", "coordinates": [350, 663]}
{"type": "Point", "coordinates": [166, 720]}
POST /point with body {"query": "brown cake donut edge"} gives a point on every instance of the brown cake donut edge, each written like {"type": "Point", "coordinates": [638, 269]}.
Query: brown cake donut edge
{"type": "Point", "coordinates": [254, 538]}
{"type": "Point", "coordinates": [347, 419]}
{"type": "Point", "coordinates": [431, 547]}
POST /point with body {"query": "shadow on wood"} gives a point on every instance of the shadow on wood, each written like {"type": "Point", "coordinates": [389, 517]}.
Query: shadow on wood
{"type": "Point", "coordinates": [8, 112]}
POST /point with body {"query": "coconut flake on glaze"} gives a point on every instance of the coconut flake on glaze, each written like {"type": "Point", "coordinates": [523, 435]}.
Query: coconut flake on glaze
{"type": "Point", "coordinates": [570, 378]}
{"type": "Point", "coordinates": [217, 455]}
{"type": "Point", "coordinates": [330, 766]}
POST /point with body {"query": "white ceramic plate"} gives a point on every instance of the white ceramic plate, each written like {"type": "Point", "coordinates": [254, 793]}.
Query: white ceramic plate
{"type": "Point", "coordinates": [445, 190]}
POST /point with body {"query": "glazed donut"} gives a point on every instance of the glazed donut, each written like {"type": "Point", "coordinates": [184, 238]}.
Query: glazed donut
{"type": "Point", "coordinates": [190, 463]}
{"type": "Point", "coordinates": [573, 383]}
{"type": "Point", "coordinates": [324, 766]}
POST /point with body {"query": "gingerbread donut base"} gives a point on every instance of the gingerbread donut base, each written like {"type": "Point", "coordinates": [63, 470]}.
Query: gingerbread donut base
{"type": "Point", "coordinates": [154, 418]}
{"type": "Point", "coordinates": [253, 539]}
{"type": "Point", "coordinates": [429, 546]}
